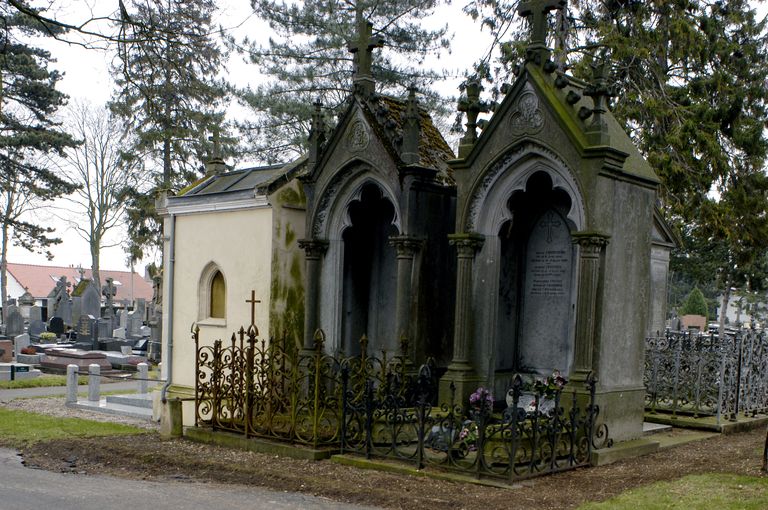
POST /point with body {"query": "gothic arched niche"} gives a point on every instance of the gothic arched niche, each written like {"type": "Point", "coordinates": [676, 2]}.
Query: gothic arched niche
{"type": "Point", "coordinates": [536, 290]}
{"type": "Point", "coordinates": [369, 273]}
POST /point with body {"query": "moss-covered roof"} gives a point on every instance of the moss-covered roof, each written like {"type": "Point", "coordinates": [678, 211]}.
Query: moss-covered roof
{"type": "Point", "coordinates": [388, 114]}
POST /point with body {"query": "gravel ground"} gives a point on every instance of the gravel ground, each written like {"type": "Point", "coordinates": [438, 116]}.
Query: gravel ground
{"type": "Point", "coordinates": [54, 406]}
{"type": "Point", "coordinates": [149, 457]}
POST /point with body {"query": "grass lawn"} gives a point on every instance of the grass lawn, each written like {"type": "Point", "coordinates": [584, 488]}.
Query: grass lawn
{"type": "Point", "coordinates": [702, 492]}
{"type": "Point", "coordinates": [19, 428]}
{"type": "Point", "coordinates": [40, 382]}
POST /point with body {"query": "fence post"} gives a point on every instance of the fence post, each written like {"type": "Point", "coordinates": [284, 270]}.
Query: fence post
{"type": "Point", "coordinates": [143, 375]}
{"type": "Point", "coordinates": [94, 380]}
{"type": "Point", "coordinates": [71, 384]}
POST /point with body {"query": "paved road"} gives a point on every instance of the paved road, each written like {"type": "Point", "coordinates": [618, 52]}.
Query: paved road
{"type": "Point", "coordinates": [24, 488]}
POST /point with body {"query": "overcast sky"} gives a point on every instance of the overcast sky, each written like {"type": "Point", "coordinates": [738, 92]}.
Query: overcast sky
{"type": "Point", "coordinates": [86, 77]}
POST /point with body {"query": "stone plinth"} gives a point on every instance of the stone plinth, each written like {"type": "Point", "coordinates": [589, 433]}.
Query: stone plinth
{"type": "Point", "coordinates": [22, 371]}
{"type": "Point", "coordinates": [57, 359]}
{"type": "Point", "coordinates": [7, 346]}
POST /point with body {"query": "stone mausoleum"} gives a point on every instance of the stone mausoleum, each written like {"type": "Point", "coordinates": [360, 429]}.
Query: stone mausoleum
{"type": "Point", "coordinates": [530, 252]}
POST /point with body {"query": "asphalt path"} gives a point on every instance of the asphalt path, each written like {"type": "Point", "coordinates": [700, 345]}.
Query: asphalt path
{"type": "Point", "coordinates": [24, 488]}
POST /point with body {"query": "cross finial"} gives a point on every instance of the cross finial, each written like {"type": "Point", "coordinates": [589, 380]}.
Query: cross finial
{"type": "Point", "coordinates": [538, 11]}
{"type": "Point", "coordinates": [216, 139]}
{"type": "Point", "coordinates": [362, 49]}
{"type": "Point", "coordinates": [81, 271]}
{"type": "Point", "coordinates": [253, 302]}
{"type": "Point", "coordinates": [472, 106]}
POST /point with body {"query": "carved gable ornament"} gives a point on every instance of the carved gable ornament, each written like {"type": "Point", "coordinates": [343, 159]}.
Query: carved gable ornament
{"type": "Point", "coordinates": [358, 137]}
{"type": "Point", "coordinates": [527, 117]}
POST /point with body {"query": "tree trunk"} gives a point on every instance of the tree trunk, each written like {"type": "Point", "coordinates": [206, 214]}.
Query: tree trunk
{"type": "Point", "coordinates": [95, 263]}
{"type": "Point", "coordinates": [4, 270]}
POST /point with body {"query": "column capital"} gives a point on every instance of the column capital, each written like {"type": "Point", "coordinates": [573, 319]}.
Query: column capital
{"type": "Point", "coordinates": [591, 239]}
{"type": "Point", "coordinates": [406, 246]}
{"type": "Point", "coordinates": [314, 248]}
{"type": "Point", "coordinates": [467, 243]}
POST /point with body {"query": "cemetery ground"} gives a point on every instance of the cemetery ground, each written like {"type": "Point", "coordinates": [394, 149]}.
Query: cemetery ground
{"type": "Point", "coordinates": [721, 471]}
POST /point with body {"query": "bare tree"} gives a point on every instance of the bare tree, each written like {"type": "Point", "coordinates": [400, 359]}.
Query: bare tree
{"type": "Point", "coordinates": [101, 174]}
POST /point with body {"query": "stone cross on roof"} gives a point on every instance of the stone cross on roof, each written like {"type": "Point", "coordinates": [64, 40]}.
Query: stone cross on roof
{"type": "Point", "coordinates": [538, 10]}
{"type": "Point", "coordinates": [216, 139]}
{"type": "Point", "coordinates": [362, 49]}
{"type": "Point", "coordinates": [472, 106]}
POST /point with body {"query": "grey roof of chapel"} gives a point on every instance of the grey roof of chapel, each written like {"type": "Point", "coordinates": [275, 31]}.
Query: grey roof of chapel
{"type": "Point", "coordinates": [262, 180]}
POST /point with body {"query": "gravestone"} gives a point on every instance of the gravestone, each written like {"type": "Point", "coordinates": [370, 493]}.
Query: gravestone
{"type": "Point", "coordinates": [14, 322]}
{"type": "Point", "coordinates": [108, 290]}
{"type": "Point", "coordinates": [119, 333]}
{"type": "Point", "coordinates": [121, 318]}
{"type": "Point", "coordinates": [59, 303]}
{"type": "Point", "coordinates": [546, 309]}
{"type": "Point", "coordinates": [135, 321]}
{"type": "Point", "coordinates": [145, 331]}
{"type": "Point", "coordinates": [86, 332]}
{"type": "Point", "coordinates": [104, 328]}
{"type": "Point", "coordinates": [35, 328]}
{"type": "Point", "coordinates": [56, 326]}
{"type": "Point", "coordinates": [20, 342]}
{"type": "Point", "coordinates": [28, 308]}
{"type": "Point", "coordinates": [140, 308]}
{"type": "Point", "coordinates": [91, 300]}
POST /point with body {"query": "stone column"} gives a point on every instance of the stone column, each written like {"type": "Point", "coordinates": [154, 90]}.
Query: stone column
{"type": "Point", "coordinates": [460, 372]}
{"type": "Point", "coordinates": [406, 250]}
{"type": "Point", "coordinates": [591, 245]}
{"type": "Point", "coordinates": [314, 250]}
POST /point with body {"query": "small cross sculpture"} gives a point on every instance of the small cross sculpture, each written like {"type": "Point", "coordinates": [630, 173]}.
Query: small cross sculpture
{"type": "Point", "coordinates": [81, 271]}
{"type": "Point", "coordinates": [253, 302]}
{"type": "Point", "coordinates": [216, 139]}
{"type": "Point", "coordinates": [472, 106]}
{"type": "Point", "coordinates": [109, 291]}
{"type": "Point", "coordinates": [539, 10]}
{"type": "Point", "coordinates": [363, 47]}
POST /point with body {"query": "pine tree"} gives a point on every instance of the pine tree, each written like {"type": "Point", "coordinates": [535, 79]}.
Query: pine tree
{"type": "Point", "coordinates": [691, 78]}
{"type": "Point", "coordinates": [695, 304]}
{"type": "Point", "coordinates": [28, 102]}
{"type": "Point", "coordinates": [171, 98]}
{"type": "Point", "coordinates": [310, 60]}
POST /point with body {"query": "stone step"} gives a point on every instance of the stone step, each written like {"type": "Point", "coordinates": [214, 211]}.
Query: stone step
{"type": "Point", "coordinates": [143, 401]}
{"type": "Point", "coordinates": [655, 428]}
{"type": "Point", "coordinates": [118, 409]}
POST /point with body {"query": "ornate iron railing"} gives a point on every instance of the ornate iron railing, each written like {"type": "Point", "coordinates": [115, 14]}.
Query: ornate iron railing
{"type": "Point", "coordinates": [385, 407]}
{"type": "Point", "coordinates": [703, 375]}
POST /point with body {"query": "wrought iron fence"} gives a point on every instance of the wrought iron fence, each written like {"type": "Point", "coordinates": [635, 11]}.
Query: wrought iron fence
{"type": "Point", "coordinates": [701, 374]}
{"type": "Point", "coordinates": [382, 406]}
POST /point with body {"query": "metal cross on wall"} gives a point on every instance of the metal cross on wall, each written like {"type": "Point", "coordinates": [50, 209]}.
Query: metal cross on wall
{"type": "Point", "coordinates": [539, 10]}
{"type": "Point", "coordinates": [253, 302]}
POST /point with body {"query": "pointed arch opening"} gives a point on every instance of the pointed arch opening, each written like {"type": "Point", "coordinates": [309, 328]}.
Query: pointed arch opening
{"type": "Point", "coordinates": [369, 285]}
{"type": "Point", "coordinates": [536, 281]}
{"type": "Point", "coordinates": [212, 295]}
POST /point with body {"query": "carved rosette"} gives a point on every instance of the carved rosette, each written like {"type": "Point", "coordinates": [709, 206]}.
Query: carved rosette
{"type": "Point", "coordinates": [527, 117]}
{"type": "Point", "coordinates": [358, 137]}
